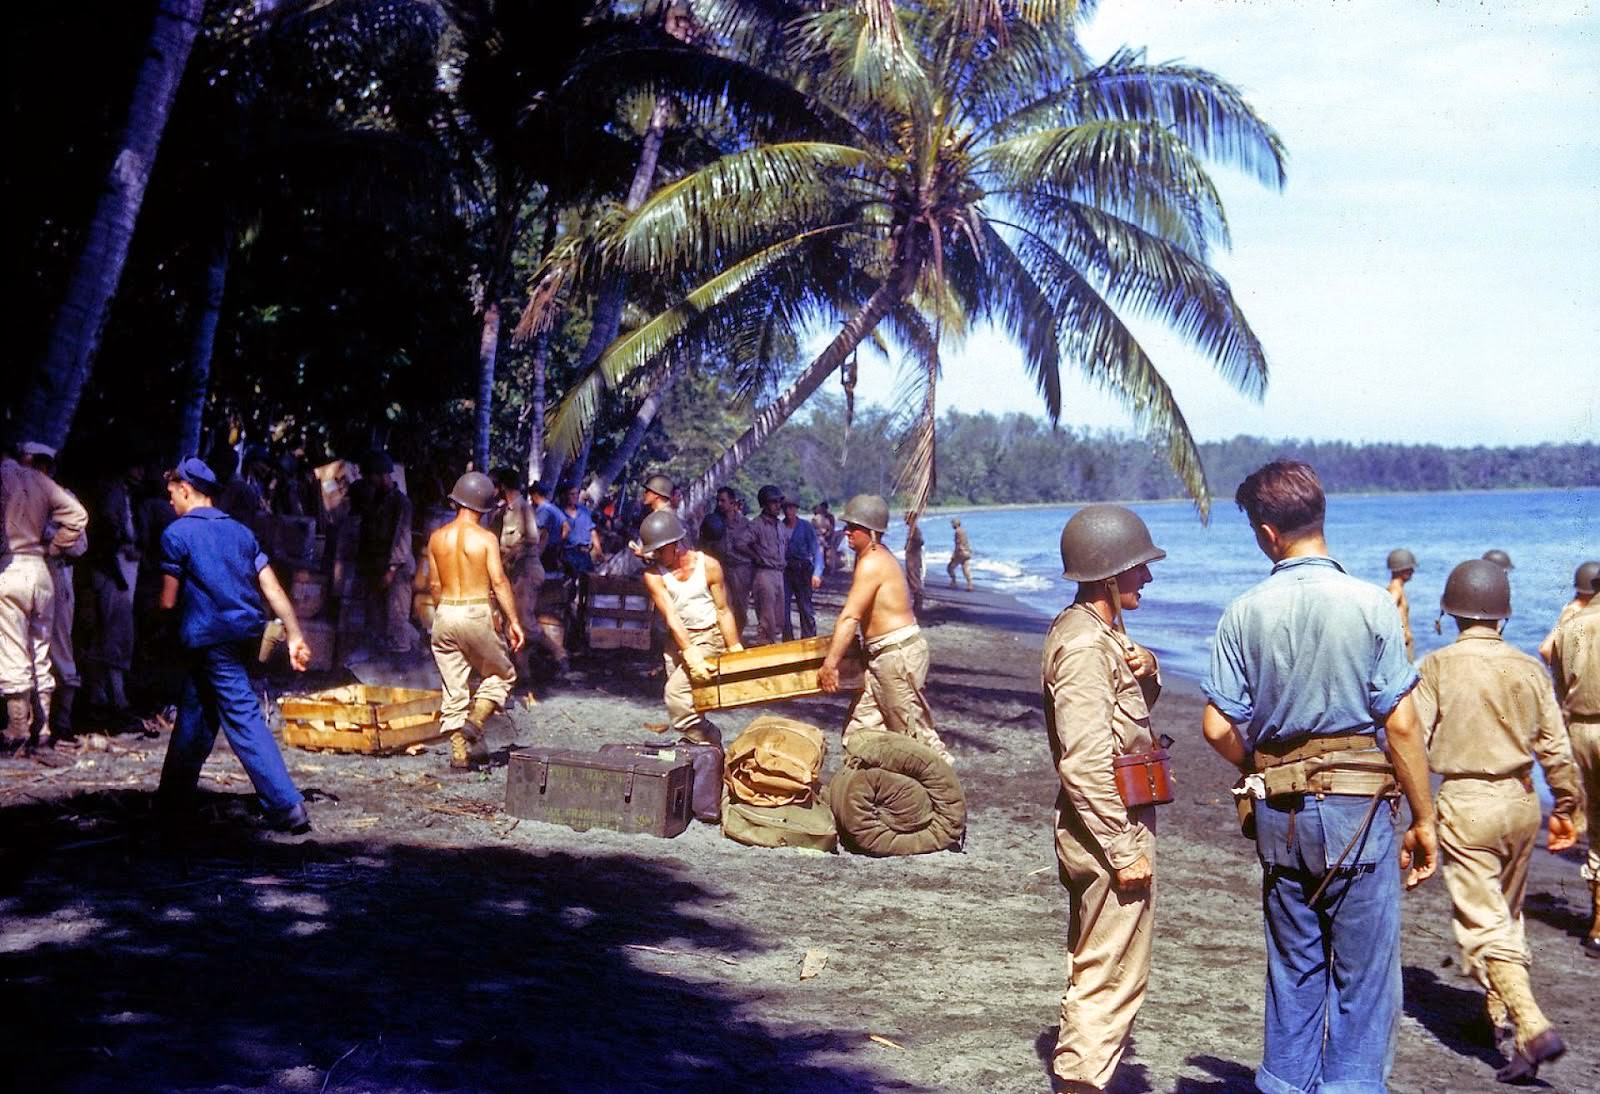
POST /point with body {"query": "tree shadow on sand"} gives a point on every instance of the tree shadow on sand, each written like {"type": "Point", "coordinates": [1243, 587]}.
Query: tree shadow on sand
{"type": "Point", "coordinates": [237, 960]}
{"type": "Point", "coordinates": [1454, 1015]}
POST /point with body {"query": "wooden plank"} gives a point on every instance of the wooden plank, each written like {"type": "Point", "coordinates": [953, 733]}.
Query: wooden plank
{"type": "Point", "coordinates": [371, 740]}
{"type": "Point", "coordinates": [778, 655]}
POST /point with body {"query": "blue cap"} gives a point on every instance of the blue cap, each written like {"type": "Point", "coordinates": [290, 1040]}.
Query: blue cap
{"type": "Point", "coordinates": [198, 474]}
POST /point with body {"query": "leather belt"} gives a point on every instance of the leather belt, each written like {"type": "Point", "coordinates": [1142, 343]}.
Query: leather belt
{"type": "Point", "coordinates": [1277, 753]}
{"type": "Point", "coordinates": [873, 655]}
{"type": "Point", "coordinates": [1523, 777]}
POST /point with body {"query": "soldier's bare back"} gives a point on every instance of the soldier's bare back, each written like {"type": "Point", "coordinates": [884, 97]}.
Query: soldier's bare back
{"type": "Point", "coordinates": [464, 559]}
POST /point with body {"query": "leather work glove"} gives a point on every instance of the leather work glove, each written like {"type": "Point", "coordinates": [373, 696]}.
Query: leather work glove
{"type": "Point", "coordinates": [700, 669]}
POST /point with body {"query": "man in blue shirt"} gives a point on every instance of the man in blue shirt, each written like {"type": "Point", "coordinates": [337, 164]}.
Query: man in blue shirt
{"type": "Point", "coordinates": [802, 571]}
{"type": "Point", "coordinates": [1309, 695]}
{"type": "Point", "coordinates": [216, 575]}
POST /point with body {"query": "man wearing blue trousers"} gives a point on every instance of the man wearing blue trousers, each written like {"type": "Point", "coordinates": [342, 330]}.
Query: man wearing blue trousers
{"type": "Point", "coordinates": [216, 575]}
{"type": "Point", "coordinates": [802, 571]}
{"type": "Point", "coordinates": [1309, 695]}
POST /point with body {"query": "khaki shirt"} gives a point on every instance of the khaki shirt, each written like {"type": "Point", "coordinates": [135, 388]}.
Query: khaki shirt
{"type": "Point", "coordinates": [768, 538]}
{"type": "Point", "coordinates": [737, 540]}
{"type": "Point", "coordinates": [1095, 710]}
{"type": "Point", "coordinates": [1575, 663]}
{"type": "Point", "coordinates": [33, 503]}
{"type": "Point", "coordinates": [1487, 708]}
{"type": "Point", "coordinates": [519, 537]}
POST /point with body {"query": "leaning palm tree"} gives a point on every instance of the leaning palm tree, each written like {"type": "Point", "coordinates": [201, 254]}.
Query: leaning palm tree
{"type": "Point", "coordinates": [965, 161]}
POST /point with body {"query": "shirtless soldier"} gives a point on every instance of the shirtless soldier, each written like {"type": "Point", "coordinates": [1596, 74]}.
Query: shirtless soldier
{"type": "Point", "coordinates": [1402, 564]}
{"type": "Point", "coordinates": [463, 569]}
{"type": "Point", "coordinates": [897, 655]}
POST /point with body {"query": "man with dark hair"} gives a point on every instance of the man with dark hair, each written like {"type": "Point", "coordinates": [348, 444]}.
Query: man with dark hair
{"type": "Point", "coordinates": [767, 537]}
{"type": "Point", "coordinates": [216, 576]}
{"type": "Point", "coordinates": [1309, 695]}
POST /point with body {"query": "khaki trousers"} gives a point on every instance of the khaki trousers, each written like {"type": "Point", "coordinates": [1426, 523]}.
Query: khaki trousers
{"type": "Point", "coordinates": [679, 694]}
{"type": "Point", "coordinates": [1487, 829]}
{"type": "Point", "coordinates": [768, 591]}
{"type": "Point", "coordinates": [1108, 959]}
{"type": "Point", "coordinates": [62, 658]}
{"type": "Point", "coordinates": [27, 614]}
{"type": "Point", "coordinates": [739, 577]}
{"type": "Point", "coordinates": [895, 697]}
{"type": "Point", "coordinates": [1584, 732]}
{"type": "Point", "coordinates": [465, 642]}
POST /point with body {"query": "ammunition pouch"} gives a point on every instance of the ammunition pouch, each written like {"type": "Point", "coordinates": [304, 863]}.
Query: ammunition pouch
{"type": "Point", "coordinates": [1345, 764]}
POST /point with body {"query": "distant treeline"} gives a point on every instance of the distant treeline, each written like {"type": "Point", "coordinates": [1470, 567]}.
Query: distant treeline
{"type": "Point", "coordinates": [1016, 458]}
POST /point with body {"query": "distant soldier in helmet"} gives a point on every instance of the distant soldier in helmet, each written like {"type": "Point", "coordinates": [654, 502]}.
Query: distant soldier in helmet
{"type": "Point", "coordinates": [879, 606]}
{"type": "Point", "coordinates": [467, 580]}
{"type": "Point", "coordinates": [1486, 710]}
{"type": "Point", "coordinates": [1402, 565]}
{"type": "Point", "coordinates": [914, 559]}
{"type": "Point", "coordinates": [1499, 558]}
{"type": "Point", "coordinates": [1575, 664]}
{"type": "Point", "coordinates": [1583, 586]}
{"type": "Point", "coordinates": [1098, 686]}
{"type": "Point", "coordinates": [691, 597]}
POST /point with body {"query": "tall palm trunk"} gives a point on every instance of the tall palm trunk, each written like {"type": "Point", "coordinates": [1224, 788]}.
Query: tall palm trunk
{"type": "Point", "coordinates": [198, 380]}
{"type": "Point", "coordinates": [541, 362]}
{"type": "Point", "coordinates": [775, 413]}
{"type": "Point", "coordinates": [69, 357]}
{"type": "Point", "coordinates": [489, 333]}
{"type": "Point", "coordinates": [642, 420]}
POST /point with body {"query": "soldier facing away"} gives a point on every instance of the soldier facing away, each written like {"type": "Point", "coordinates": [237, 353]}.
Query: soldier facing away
{"type": "Point", "coordinates": [467, 581]}
{"type": "Point", "coordinates": [1098, 687]}
{"type": "Point", "coordinates": [914, 560]}
{"type": "Point", "coordinates": [1584, 580]}
{"type": "Point", "coordinates": [1486, 709]}
{"type": "Point", "coordinates": [879, 606]}
{"type": "Point", "coordinates": [1575, 664]}
{"type": "Point", "coordinates": [63, 658]}
{"type": "Point", "coordinates": [1402, 565]}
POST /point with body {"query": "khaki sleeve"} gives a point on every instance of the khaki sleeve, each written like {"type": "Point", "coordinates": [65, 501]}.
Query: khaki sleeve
{"type": "Point", "coordinates": [400, 548]}
{"type": "Point", "coordinates": [68, 515]}
{"type": "Point", "coordinates": [1083, 695]}
{"type": "Point", "coordinates": [1425, 697]}
{"type": "Point", "coordinates": [1554, 750]}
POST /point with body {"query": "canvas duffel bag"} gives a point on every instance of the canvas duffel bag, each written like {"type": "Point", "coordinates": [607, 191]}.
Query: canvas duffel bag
{"type": "Point", "coordinates": [706, 789]}
{"type": "Point", "coordinates": [775, 761]}
{"type": "Point", "coordinates": [809, 825]}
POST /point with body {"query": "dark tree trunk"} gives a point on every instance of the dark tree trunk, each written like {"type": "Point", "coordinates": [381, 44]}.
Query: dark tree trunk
{"type": "Point", "coordinates": [198, 381]}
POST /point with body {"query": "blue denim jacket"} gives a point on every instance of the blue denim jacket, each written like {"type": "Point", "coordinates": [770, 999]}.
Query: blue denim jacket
{"type": "Point", "coordinates": [1310, 651]}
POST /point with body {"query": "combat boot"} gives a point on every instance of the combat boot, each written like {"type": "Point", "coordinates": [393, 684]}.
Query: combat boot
{"type": "Point", "coordinates": [1591, 942]}
{"type": "Point", "coordinates": [469, 748]}
{"type": "Point", "coordinates": [1537, 1041]}
{"type": "Point", "coordinates": [19, 719]}
{"type": "Point", "coordinates": [1505, 1030]}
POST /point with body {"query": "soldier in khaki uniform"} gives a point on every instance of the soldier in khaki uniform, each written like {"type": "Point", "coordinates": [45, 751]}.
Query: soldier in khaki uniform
{"type": "Point", "coordinates": [1486, 708]}
{"type": "Point", "coordinates": [1575, 664]}
{"type": "Point", "coordinates": [1402, 565]}
{"type": "Point", "coordinates": [1583, 586]}
{"type": "Point", "coordinates": [522, 544]}
{"type": "Point", "coordinates": [1098, 686]}
{"type": "Point", "coordinates": [914, 562]}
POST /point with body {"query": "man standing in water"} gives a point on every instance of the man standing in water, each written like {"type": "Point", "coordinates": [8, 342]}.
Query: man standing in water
{"type": "Point", "coordinates": [1402, 565]}
{"type": "Point", "coordinates": [879, 605]}
{"type": "Point", "coordinates": [1308, 666]}
{"type": "Point", "coordinates": [1098, 687]}
{"type": "Point", "coordinates": [464, 569]}
{"type": "Point", "coordinates": [960, 555]}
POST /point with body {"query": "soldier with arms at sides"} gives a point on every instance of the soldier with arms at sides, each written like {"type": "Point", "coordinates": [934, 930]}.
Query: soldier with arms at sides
{"type": "Point", "coordinates": [468, 580]}
{"type": "Point", "coordinates": [1575, 664]}
{"type": "Point", "coordinates": [914, 561]}
{"type": "Point", "coordinates": [879, 606]}
{"type": "Point", "coordinates": [1402, 565]}
{"type": "Point", "coordinates": [1098, 687]}
{"type": "Point", "coordinates": [1486, 709]}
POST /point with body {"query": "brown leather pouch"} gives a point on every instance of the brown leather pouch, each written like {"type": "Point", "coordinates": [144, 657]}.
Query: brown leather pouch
{"type": "Point", "coordinates": [1144, 778]}
{"type": "Point", "coordinates": [1246, 805]}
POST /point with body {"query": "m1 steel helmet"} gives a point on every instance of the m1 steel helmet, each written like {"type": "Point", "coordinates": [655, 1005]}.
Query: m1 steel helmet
{"type": "Point", "coordinates": [1102, 541]}
{"type": "Point", "coordinates": [1587, 577]}
{"type": "Point", "coordinates": [659, 529]}
{"type": "Point", "coordinates": [474, 491]}
{"type": "Point", "coordinates": [1499, 558]}
{"type": "Point", "coordinates": [768, 494]}
{"type": "Point", "coordinates": [1401, 559]}
{"type": "Point", "coordinates": [659, 485]}
{"type": "Point", "coordinates": [1477, 589]}
{"type": "Point", "coordinates": [867, 511]}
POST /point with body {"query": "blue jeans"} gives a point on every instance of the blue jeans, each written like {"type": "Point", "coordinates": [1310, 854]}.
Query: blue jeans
{"type": "Point", "coordinates": [217, 693]}
{"type": "Point", "coordinates": [1333, 970]}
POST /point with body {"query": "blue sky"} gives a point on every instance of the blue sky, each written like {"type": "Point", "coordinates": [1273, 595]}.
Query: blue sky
{"type": "Point", "coordinates": [1431, 273]}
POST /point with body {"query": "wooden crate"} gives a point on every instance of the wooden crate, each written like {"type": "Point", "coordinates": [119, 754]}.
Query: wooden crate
{"type": "Point", "coordinates": [786, 670]}
{"type": "Point", "coordinates": [620, 613]}
{"type": "Point", "coordinates": [361, 718]}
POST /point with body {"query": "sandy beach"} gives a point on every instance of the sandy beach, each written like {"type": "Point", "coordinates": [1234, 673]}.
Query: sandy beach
{"type": "Point", "coordinates": [421, 939]}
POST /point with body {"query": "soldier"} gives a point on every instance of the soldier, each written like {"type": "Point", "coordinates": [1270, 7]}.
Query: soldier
{"type": "Point", "coordinates": [1402, 565]}
{"type": "Point", "coordinates": [655, 496]}
{"type": "Point", "coordinates": [738, 562]}
{"type": "Point", "coordinates": [521, 550]}
{"type": "Point", "coordinates": [690, 595]}
{"type": "Point", "coordinates": [113, 565]}
{"type": "Point", "coordinates": [467, 580]}
{"type": "Point", "coordinates": [1486, 709]}
{"type": "Point", "coordinates": [914, 563]}
{"type": "Point", "coordinates": [823, 524]}
{"type": "Point", "coordinates": [1583, 586]}
{"type": "Point", "coordinates": [384, 558]}
{"type": "Point", "coordinates": [216, 576]}
{"type": "Point", "coordinates": [63, 660]}
{"type": "Point", "coordinates": [802, 573]}
{"type": "Point", "coordinates": [960, 555]}
{"type": "Point", "coordinates": [879, 607]}
{"type": "Point", "coordinates": [1098, 687]}
{"type": "Point", "coordinates": [766, 550]}
{"type": "Point", "coordinates": [1307, 667]}
{"type": "Point", "coordinates": [1499, 558]}
{"type": "Point", "coordinates": [1575, 664]}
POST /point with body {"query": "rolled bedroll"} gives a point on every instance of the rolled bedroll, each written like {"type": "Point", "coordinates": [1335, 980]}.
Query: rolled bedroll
{"type": "Point", "coordinates": [896, 796]}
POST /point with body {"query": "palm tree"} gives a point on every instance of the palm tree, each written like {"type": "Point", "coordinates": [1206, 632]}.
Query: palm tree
{"type": "Point", "coordinates": [965, 160]}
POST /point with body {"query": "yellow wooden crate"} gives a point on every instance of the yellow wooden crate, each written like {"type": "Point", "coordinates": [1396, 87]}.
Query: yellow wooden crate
{"type": "Point", "coordinates": [361, 718]}
{"type": "Point", "coordinates": [785, 670]}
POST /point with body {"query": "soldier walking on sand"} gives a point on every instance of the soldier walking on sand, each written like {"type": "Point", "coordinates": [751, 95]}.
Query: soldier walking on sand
{"type": "Point", "coordinates": [914, 563]}
{"type": "Point", "coordinates": [1098, 687]}
{"type": "Point", "coordinates": [1575, 664]}
{"type": "Point", "coordinates": [1584, 581]}
{"type": "Point", "coordinates": [879, 607]}
{"type": "Point", "coordinates": [1402, 565]}
{"type": "Point", "coordinates": [767, 539]}
{"type": "Point", "coordinates": [1307, 667]}
{"type": "Point", "coordinates": [960, 555]}
{"type": "Point", "coordinates": [1486, 709]}
{"type": "Point", "coordinates": [690, 595]}
{"type": "Point", "coordinates": [467, 581]}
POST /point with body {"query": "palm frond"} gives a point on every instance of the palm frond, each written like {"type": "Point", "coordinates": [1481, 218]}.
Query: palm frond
{"type": "Point", "coordinates": [1014, 300]}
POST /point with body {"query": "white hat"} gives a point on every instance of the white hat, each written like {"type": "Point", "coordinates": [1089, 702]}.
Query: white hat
{"type": "Point", "coordinates": [36, 448]}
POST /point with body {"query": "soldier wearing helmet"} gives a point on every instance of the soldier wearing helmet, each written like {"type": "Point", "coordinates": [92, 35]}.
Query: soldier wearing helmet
{"type": "Point", "coordinates": [655, 496]}
{"type": "Point", "coordinates": [691, 597]}
{"type": "Point", "coordinates": [1583, 586]}
{"type": "Point", "coordinates": [1499, 558]}
{"type": "Point", "coordinates": [878, 606]}
{"type": "Point", "coordinates": [1098, 686]}
{"type": "Point", "coordinates": [1486, 710]}
{"type": "Point", "coordinates": [468, 580]}
{"type": "Point", "coordinates": [1575, 664]}
{"type": "Point", "coordinates": [1402, 565]}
